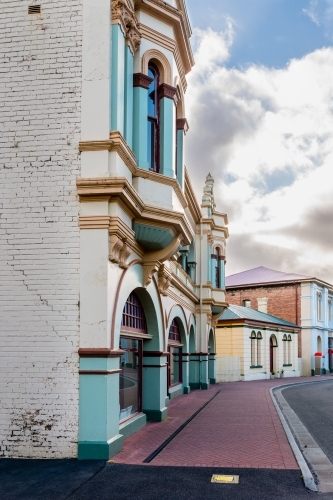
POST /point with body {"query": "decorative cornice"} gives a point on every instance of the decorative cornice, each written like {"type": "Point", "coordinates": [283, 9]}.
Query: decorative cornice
{"type": "Point", "coordinates": [141, 80]}
{"type": "Point", "coordinates": [99, 352]}
{"type": "Point", "coordinates": [124, 15]}
{"type": "Point", "coordinates": [165, 90]}
{"type": "Point", "coordinates": [182, 124]}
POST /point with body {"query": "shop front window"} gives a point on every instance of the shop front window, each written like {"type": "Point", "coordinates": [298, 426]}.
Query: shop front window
{"type": "Point", "coordinates": [174, 355]}
{"type": "Point", "coordinates": [130, 377]}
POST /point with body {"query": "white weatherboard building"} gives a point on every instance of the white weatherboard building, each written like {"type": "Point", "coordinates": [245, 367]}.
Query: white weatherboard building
{"type": "Point", "coordinates": [112, 274]}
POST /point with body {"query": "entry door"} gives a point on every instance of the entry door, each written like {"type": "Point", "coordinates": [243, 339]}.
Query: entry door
{"type": "Point", "coordinates": [271, 355]}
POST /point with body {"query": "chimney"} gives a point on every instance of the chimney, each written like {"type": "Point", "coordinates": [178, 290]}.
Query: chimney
{"type": "Point", "coordinates": [262, 305]}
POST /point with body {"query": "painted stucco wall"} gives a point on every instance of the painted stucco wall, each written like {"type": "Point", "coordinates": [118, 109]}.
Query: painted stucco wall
{"type": "Point", "coordinates": [40, 95]}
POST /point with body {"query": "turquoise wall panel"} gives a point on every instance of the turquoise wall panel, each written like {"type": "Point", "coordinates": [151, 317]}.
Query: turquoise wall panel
{"type": "Point", "coordinates": [209, 264]}
{"type": "Point", "coordinates": [118, 79]}
{"type": "Point", "coordinates": [167, 159]}
{"type": "Point", "coordinates": [140, 127]}
{"type": "Point", "coordinates": [180, 157]}
{"type": "Point", "coordinates": [128, 97]}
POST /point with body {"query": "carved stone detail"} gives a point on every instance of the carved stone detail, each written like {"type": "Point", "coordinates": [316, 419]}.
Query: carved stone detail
{"type": "Point", "coordinates": [125, 252]}
{"type": "Point", "coordinates": [210, 239]}
{"type": "Point", "coordinates": [115, 247]}
{"type": "Point", "coordinates": [123, 14]}
{"type": "Point", "coordinates": [149, 269]}
{"type": "Point", "coordinates": [164, 280]}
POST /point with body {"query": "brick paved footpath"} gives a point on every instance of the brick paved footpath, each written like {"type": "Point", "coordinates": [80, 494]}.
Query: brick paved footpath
{"type": "Point", "coordinates": [238, 428]}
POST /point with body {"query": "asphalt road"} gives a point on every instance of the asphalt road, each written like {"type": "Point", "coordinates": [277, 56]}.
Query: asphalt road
{"type": "Point", "coordinates": [73, 480]}
{"type": "Point", "coordinates": [313, 404]}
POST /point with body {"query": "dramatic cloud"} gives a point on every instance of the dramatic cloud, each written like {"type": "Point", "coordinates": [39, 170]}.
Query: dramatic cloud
{"type": "Point", "coordinates": [267, 137]}
{"type": "Point", "coordinates": [321, 13]}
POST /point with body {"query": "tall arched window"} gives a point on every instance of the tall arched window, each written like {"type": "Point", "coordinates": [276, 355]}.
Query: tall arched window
{"type": "Point", "coordinates": [174, 355]}
{"type": "Point", "coordinates": [153, 119]}
{"type": "Point", "coordinates": [285, 348]}
{"type": "Point", "coordinates": [133, 325]}
{"type": "Point", "coordinates": [253, 349]}
{"type": "Point", "coordinates": [319, 306]}
{"type": "Point", "coordinates": [289, 349]}
{"type": "Point", "coordinates": [259, 339]}
{"type": "Point", "coordinates": [217, 268]}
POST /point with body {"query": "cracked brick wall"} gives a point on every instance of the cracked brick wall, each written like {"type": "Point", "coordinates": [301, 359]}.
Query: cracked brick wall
{"type": "Point", "coordinates": [40, 92]}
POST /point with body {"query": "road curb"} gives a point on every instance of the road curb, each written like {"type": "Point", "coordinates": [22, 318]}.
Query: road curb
{"type": "Point", "coordinates": [306, 473]}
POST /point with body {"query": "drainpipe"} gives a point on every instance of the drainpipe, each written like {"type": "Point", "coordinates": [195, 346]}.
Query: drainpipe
{"type": "Point", "coordinates": [201, 278]}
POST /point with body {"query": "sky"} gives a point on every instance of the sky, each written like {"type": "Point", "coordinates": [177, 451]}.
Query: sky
{"type": "Point", "coordinates": [260, 111]}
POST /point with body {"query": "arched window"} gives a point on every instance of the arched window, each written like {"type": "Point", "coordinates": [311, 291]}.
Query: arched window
{"type": "Point", "coordinates": [329, 305]}
{"type": "Point", "coordinates": [217, 268]}
{"type": "Point", "coordinates": [133, 318]}
{"type": "Point", "coordinates": [289, 350]}
{"type": "Point", "coordinates": [259, 339]}
{"type": "Point", "coordinates": [174, 355]}
{"type": "Point", "coordinates": [153, 119]}
{"type": "Point", "coordinates": [133, 325]}
{"type": "Point", "coordinates": [253, 349]}
{"type": "Point", "coordinates": [285, 347]}
{"type": "Point", "coordinates": [319, 306]}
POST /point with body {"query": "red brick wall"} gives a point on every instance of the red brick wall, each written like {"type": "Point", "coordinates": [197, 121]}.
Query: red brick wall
{"type": "Point", "coordinates": [284, 301]}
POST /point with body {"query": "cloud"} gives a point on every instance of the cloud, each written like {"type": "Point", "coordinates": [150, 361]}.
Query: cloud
{"type": "Point", "coordinates": [321, 13]}
{"type": "Point", "coordinates": [267, 137]}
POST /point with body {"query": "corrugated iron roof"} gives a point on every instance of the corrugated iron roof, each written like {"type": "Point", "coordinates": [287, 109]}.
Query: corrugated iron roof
{"type": "Point", "coordinates": [261, 275]}
{"type": "Point", "coordinates": [239, 312]}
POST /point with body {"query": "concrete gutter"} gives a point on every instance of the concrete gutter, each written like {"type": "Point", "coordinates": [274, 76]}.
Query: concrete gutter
{"type": "Point", "coordinates": [319, 462]}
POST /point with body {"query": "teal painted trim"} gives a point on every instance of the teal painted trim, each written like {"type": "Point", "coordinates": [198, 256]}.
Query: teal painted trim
{"type": "Point", "coordinates": [156, 415]}
{"type": "Point", "coordinates": [323, 371]}
{"type": "Point", "coordinates": [312, 373]}
{"type": "Point", "coordinates": [194, 386]}
{"type": "Point", "coordinates": [140, 126]}
{"type": "Point", "coordinates": [204, 386]}
{"type": "Point", "coordinates": [258, 366]}
{"type": "Point", "coordinates": [212, 380]}
{"type": "Point", "coordinates": [118, 79]}
{"type": "Point", "coordinates": [167, 158]}
{"type": "Point", "coordinates": [222, 274]}
{"type": "Point", "coordinates": [99, 405]}
{"type": "Point", "coordinates": [100, 450]}
{"type": "Point", "coordinates": [175, 391]}
{"type": "Point", "coordinates": [133, 425]}
{"type": "Point", "coordinates": [287, 365]}
{"type": "Point", "coordinates": [186, 389]}
{"type": "Point", "coordinates": [330, 370]}
{"type": "Point", "coordinates": [128, 125]}
{"type": "Point", "coordinates": [180, 157]}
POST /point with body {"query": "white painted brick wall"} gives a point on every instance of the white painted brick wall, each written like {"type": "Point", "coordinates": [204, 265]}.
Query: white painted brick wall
{"type": "Point", "coordinates": [40, 95]}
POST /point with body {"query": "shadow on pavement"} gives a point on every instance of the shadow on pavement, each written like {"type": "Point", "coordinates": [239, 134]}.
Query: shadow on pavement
{"type": "Point", "coordinates": [120, 482]}
{"type": "Point", "coordinates": [44, 479]}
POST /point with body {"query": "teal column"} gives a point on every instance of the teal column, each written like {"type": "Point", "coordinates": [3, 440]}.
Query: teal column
{"type": "Point", "coordinates": [186, 374]}
{"type": "Point", "coordinates": [154, 383]}
{"type": "Point", "coordinates": [99, 436]}
{"type": "Point", "coordinates": [222, 272]}
{"type": "Point", "coordinates": [118, 79]}
{"type": "Point", "coordinates": [211, 368]}
{"type": "Point", "coordinates": [192, 266]}
{"type": "Point", "coordinates": [204, 380]}
{"type": "Point", "coordinates": [182, 127]}
{"type": "Point", "coordinates": [167, 130]}
{"type": "Point", "coordinates": [128, 125]}
{"type": "Point", "coordinates": [194, 371]}
{"type": "Point", "coordinates": [141, 84]}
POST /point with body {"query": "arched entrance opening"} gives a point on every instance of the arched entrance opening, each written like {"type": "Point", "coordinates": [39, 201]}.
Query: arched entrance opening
{"type": "Point", "coordinates": [211, 357]}
{"type": "Point", "coordinates": [272, 353]}
{"type": "Point", "coordinates": [176, 361]}
{"type": "Point", "coordinates": [318, 356]}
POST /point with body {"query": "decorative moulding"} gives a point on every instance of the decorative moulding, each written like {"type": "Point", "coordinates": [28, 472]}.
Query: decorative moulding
{"type": "Point", "coordinates": [124, 15]}
{"type": "Point", "coordinates": [141, 80]}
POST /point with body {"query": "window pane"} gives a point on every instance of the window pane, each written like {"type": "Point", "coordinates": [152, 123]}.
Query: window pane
{"type": "Point", "coordinates": [152, 94]}
{"type": "Point", "coordinates": [151, 145]}
{"type": "Point", "coordinates": [174, 365]}
{"type": "Point", "coordinates": [129, 378]}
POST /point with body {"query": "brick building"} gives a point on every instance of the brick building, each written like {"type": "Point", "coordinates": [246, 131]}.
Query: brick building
{"type": "Point", "coordinates": [303, 300]}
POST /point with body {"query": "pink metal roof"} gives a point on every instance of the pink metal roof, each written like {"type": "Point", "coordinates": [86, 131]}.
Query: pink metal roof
{"type": "Point", "coordinates": [261, 275]}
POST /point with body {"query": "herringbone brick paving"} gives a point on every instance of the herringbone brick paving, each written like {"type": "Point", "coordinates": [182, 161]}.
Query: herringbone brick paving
{"type": "Point", "coordinates": [238, 428]}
